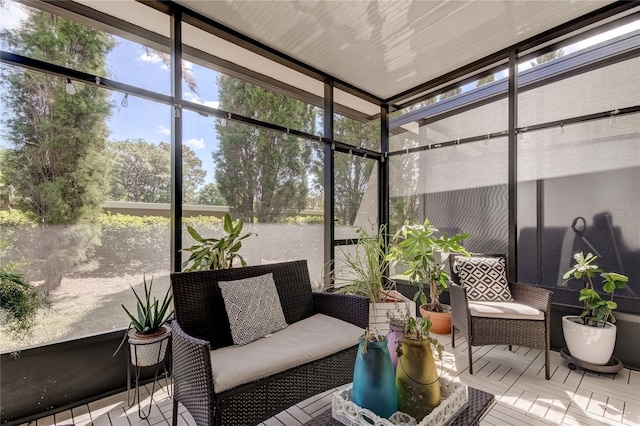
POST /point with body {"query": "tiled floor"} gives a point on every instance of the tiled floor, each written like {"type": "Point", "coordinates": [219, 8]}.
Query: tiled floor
{"type": "Point", "coordinates": [523, 397]}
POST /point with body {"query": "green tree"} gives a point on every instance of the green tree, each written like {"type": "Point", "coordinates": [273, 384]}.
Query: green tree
{"type": "Point", "coordinates": [141, 172]}
{"type": "Point", "coordinates": [209, 195]}
{"type": "Point", "coordinates": [485, 80]}
{"type": "Point", "coordinates": [352, 172]}
{"type": "Point", "coordinates": [58, 163]}
{"type": "Point", "coordinates": [262, 174]}
{"type": "Point", "coordinates": [547, 57]}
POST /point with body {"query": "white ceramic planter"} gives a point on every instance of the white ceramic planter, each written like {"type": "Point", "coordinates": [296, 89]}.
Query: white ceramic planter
{"type": "Point", "coordinates": [378, 319]}
{"type": "Point", "coordinates": [147, 351]}
{"type": "Point", "coordinates": [587, 343]}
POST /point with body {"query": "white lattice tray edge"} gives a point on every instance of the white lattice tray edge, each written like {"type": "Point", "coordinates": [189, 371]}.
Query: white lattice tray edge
{"type": "Point", "coordinates": [455, 398]}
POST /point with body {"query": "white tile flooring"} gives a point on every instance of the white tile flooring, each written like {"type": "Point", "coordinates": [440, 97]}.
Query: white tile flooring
{"type": "Point", "coordinates": [523, 397]}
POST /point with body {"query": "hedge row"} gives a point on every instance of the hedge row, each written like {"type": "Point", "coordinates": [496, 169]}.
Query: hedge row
{"type": "Point", "coordinates": [122, 243]}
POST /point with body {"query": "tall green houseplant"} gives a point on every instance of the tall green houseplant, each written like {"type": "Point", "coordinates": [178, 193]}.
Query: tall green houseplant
{"type": "Point", "coordinates": [216, 253]}
{"type": "Point", "coordinates": [423, 255]}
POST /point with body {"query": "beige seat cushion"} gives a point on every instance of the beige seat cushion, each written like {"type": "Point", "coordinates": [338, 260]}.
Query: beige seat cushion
{"type": "Point", "coordinates": [506, 310]}
{"type": "Point", "coordinates": [301, 342]}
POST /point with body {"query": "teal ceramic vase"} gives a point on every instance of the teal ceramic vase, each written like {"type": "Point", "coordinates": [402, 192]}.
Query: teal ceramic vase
{"type": "Point", "coordinates": [374, 379]}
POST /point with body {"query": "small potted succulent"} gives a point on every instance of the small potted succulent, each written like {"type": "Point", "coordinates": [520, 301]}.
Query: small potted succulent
{"type": "Point", "coordinates": [374, 378]}
{"type": "Point", "coordinates": [148, 333]}
{"type": "Point", "coordinates": [417, 379]}
{"type": "Point", "coordinates": [591, 336]}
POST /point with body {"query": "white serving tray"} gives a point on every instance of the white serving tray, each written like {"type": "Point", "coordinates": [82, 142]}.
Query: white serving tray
{"type": "Point", "coordinates": [455, 398]}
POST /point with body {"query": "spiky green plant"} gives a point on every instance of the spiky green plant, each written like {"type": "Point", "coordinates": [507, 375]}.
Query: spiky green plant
{"type": "Point", "coordinates": [151, 315]}
{"type": "Point", "coordinates": [364, 270]}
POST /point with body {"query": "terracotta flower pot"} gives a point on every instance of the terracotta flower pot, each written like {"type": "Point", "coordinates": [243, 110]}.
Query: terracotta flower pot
{"type": "Point", "coordinates": [441, 321]}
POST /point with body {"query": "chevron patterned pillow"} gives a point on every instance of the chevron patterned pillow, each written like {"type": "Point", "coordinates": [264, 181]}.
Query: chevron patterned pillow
{"type": "Point", "coordinates": [253, 308]}
{"type": "Point", "coordinates": [485, 278]}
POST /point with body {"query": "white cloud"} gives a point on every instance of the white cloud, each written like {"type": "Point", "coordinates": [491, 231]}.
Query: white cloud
{"type": "Point", "coordinates": [163, 130]}
{"type": "Point", "coordinates": [152, 58]}
{"type": "Point", "coordinates": [192, 97]}
{"type": "Point", "coordinates": [195, 143]}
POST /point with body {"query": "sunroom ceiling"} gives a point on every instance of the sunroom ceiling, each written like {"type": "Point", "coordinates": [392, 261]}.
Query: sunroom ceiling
{"type": "Point", "coordinates": [386, 47]}
{"type": "Point", "coordinates": [381, 47]}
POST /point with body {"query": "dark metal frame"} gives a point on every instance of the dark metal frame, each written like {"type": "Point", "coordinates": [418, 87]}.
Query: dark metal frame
{"type": "Point", "coordinates": [543, 42]}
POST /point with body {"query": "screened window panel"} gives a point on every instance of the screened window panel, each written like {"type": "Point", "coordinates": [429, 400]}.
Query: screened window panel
{"type": "Point", "coordinates": [590, 177]}
{"type": "Point", "coordinates": [604, 89]}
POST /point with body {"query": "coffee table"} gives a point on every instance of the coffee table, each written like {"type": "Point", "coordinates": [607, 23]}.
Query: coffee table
{"type": "Point", "coordinates": [479, 401]}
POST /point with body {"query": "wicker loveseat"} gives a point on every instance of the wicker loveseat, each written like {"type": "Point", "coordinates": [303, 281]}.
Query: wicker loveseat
{"type": "Point", "coordinates": [210, 373]}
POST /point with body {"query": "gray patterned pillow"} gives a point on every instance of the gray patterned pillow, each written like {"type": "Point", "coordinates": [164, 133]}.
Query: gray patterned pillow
{"type": "Point", "coordinates": [253, 308]}
{"type": "Point", "coordinates": [485, 278]}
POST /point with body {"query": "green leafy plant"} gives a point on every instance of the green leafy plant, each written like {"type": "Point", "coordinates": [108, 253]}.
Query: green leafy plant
{"type": "Point", "coordinates": [19, 300]}
{"type": "Point", "coordinates": [597, 311]}
{"type": "Point", "coordinates": [363, 271]}
{"type": "Point", "coordinates": [370, 337]}
{"type": "Point", "coordinates": [151, 314]}
{"type": "Point", "coordinates": [214, 253]}
{"type": "Point", "coordinates": [418, 329]}
{"type": "Point", "coordinates": [424, 255]}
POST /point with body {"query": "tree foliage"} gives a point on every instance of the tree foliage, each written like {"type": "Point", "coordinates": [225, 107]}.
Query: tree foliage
{"type": "Point", "coordinates": [209, 195]}
{"type": "Point", "coordinates": [58, 164]}
{"type": "Point", "coordinates": [352, 172]}
{"type": "Point", "coordinates": [141, 172]}
{"type": "Point", "coordinates": [262, 174]}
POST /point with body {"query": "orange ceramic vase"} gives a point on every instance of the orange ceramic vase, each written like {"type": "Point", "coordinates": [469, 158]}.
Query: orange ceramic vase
{"type": "Point", "coordinates": [441, 321]}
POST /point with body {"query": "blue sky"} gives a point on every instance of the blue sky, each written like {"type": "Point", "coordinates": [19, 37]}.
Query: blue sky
{"type": "Point", "coordinates": [130, 63]}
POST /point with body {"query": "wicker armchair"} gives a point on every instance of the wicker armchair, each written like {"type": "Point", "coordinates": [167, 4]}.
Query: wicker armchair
{"type": "Point", "coordinates": [494, 330]}
{"type": "Point", "coordinates": [202, 325]}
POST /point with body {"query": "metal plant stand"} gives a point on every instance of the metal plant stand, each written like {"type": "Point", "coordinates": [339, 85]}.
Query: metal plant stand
{"type": "Point", "coordinates": [158, 365]}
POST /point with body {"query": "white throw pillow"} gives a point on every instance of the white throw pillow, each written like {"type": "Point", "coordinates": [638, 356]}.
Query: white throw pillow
{"type": "Point", "coordinates": [485, 278]}
{"type": "Point", "coordinates": [253, 308]}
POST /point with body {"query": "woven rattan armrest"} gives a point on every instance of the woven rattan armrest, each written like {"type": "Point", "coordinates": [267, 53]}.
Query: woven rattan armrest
{"type": "Point", "coordinates": [459, 307]}
{"type": "Point", "coordinates": [192, 375]}
{"type": "Point", "coordinates": [527, 294]}
{"type": "Point", "coordinates": [349, 308]}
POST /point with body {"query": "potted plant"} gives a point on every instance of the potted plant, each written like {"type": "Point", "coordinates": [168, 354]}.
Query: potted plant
{"type": "Point", "coordinates": [417, 379]}
{"type": "Point", "coordinates": [214, 253]}
{"type": "Point", "coordinates": [374, 378]}
{"type": "Point", "coordinates": [148, 332]}
{"type": "Point", "coordinates": [424, 256]}
{"type": "Point", "coordinates": [397, 328]}
{"type": "Point", "coordinates": [591, 336]}
{"type": "Point", "coordinates": [363, 272]}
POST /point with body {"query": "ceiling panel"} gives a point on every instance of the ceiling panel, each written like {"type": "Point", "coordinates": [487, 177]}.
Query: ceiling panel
{"type": "Point", "coordinates": [387, 47]}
